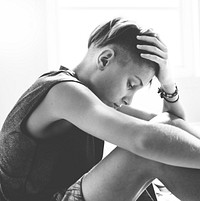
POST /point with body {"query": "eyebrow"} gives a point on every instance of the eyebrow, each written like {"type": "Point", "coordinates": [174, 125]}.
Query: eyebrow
{"type": "Point", "coordinates": [141, 83]}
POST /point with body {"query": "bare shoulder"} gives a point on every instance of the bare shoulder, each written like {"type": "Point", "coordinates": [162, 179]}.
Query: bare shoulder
{"type": "Point", "coordinates": [71, 101]}
{"type": "Point", "coordinates": [65, 100]}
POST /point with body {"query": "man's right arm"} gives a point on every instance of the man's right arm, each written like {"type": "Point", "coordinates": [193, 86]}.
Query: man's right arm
{"type": "Point", "coordinates": [78, 105]}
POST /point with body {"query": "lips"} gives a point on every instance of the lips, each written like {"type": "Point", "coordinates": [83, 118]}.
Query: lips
{"type": "Point", "coordinates": [116, 106]}
{"type": "Point", "coordinates": [113, 105]}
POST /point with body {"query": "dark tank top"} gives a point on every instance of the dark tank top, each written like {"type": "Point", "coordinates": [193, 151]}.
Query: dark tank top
{"type": "Point", "coordinates": [33, 169]}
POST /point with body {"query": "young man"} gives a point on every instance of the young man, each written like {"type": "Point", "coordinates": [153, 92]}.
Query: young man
{"type": "Point", "coordinates": [54, 135]}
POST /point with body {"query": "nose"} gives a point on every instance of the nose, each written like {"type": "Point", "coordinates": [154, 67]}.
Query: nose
{"type": "Point", "coordinates": [127, 100]}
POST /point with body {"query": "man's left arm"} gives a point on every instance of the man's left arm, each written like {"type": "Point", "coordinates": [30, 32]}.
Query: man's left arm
{"type": "Point", "coordinates": [158, 53]}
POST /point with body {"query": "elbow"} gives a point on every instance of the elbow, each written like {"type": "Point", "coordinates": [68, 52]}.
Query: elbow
{"type": "Point", "coordinates": [173, 117]}
{"type": "Point", "coordinates": [183, 116]}
{"type": "Point", "coordinates": [179, 116]}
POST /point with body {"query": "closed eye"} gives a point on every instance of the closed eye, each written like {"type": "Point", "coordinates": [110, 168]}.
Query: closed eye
{"type": "Point", "coordinates": [130, 85]}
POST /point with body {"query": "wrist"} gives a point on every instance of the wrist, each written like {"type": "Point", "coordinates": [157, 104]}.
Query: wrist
{"type": "Point", "coordinates": [169, 88]}
{"type": "Point", "coordinates": [169, 93]}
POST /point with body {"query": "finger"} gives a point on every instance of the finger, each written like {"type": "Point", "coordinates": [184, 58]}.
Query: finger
{"type": "Point", "coordinates": [158, 37]}
{"type": "Point", "coordinates": [153, 49]}
{"type": "Point", "coordinates": [153, 40]}
{"type": "Point", "coordinates": [154, 58]}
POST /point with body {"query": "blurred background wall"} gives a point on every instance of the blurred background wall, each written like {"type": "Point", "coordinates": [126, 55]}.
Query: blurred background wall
{"type": "Point", "coordinates": [39, 35]}
{"type": "Point", "coordinates": [23, 48]}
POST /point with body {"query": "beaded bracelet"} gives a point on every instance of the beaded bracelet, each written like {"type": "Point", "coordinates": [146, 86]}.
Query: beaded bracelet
{"type": "Point", "coordinates": [164, 94]}
{"type": "Point", "coordinates": [171, 101]}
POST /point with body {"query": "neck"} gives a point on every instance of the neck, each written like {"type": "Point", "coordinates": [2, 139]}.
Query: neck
{"type": "Point", "coordinates": [86, 70]}
{"type": "Point", "coordinates": [84, 73]}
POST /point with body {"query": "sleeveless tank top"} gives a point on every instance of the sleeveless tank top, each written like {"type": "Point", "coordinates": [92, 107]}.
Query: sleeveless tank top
{"type": "Point", "coordinates": [34, 169]}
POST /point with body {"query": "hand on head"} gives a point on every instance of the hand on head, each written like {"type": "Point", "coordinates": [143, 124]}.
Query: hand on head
{"type": "Point", "coordinates": [156, 51]}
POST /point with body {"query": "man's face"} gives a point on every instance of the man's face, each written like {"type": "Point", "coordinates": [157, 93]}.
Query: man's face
{"type": "Point", "coordinates": [117, 84]}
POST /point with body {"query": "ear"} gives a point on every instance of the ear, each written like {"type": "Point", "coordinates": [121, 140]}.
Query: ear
{"type": "Point", "coordinates": [105, 57]}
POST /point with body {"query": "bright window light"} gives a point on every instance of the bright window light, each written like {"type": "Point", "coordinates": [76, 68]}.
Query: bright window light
{"type": "Point", "coordinates": [174, 20]}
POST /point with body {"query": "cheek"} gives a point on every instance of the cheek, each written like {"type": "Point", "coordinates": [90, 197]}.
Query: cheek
{"type": "Point", "coordinates": [113, 90]}
{"type": "Point", "coordinates": [118, 90]}
{"type": "Point", "coordinates": [106, 90]}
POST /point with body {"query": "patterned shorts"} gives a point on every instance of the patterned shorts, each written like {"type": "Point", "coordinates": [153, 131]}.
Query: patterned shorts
{"type": "Point", "coordinates": [73, 193]}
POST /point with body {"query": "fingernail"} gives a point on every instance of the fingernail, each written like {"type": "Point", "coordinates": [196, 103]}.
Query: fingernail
{"type": "Point", "coordinates": [137, 36]}
{"type": "Point", "coordinates": [138, 46]}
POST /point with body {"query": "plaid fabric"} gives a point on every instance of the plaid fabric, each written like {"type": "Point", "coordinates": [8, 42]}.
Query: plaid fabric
{"type": "Point", "coordinates": [73, 193]}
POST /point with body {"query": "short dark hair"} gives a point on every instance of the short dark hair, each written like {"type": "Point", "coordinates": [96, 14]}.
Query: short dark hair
{"type": "Point", "coordinates": [122, 33]}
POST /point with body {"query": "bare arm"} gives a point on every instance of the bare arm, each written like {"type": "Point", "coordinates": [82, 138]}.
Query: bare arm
{"type": "Point", "coordinates": [136, 113]}
{"type": "Point", "coordinates": [78, 105]}
{"type": "Point", "coordinates": [158, 53]}
{"type": "Point", "coordinates": [164, 118]}
{"type": "Point", "coordinates": [167, 118]}
{"type": "Point", "coordinates": [175, 108]}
